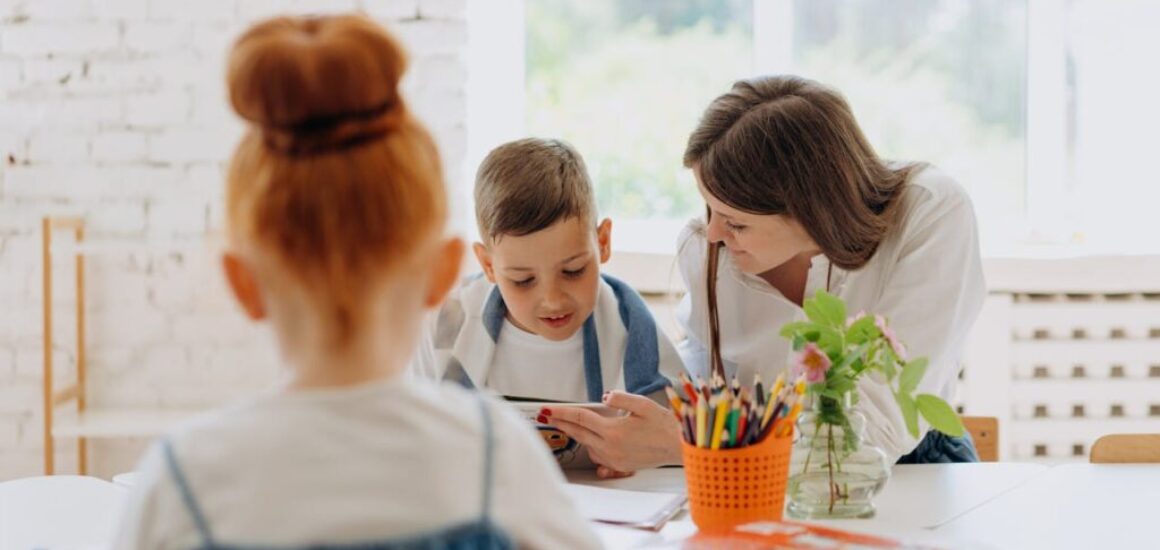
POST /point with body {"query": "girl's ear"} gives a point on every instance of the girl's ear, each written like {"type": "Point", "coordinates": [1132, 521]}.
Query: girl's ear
{"type": "Point", "coordinates": [445, 272]}
{"type": "Point", "coordinates": [484, 258]}
{"type": "Point", "coordinates": [244, 285]}
{"type": "Point", "coordinates": [604, 239]}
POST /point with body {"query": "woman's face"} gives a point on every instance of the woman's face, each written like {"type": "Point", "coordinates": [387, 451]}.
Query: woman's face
{"type": "Point", "coordinates": [756, 243]}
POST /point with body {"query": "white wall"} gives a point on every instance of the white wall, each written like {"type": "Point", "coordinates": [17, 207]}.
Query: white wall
{"type": "Point", "coordinates": [115, 110]}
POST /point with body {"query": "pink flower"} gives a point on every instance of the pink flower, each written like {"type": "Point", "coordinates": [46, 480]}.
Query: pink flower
{"type": "Point", "coordinates": [891, 338]}
{"type": "Point", "coordinates": [812, 362]}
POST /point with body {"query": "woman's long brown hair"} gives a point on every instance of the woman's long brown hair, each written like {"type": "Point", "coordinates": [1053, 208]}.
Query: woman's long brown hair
{"type": "Point", "coordinates": [786, 145]}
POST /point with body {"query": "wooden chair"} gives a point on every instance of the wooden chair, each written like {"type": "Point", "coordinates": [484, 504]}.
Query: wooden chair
{"type": "Point", "coordinates": [985, 431]}
{"type": "Point", "coordinates": [1126, 448]}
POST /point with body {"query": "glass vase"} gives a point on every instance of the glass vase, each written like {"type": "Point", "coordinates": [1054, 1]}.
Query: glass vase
{"type": "Point", "coordinates": [834, 472]}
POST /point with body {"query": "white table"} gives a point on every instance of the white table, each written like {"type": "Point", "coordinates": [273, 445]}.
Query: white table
{"type": "Point", "coordinates": [59, 512]}
{"type": "Point", "coordinates": [1072, 506]}
{"type": "Point", "coordinates": [127, 480]}
{"type": "Point", "coordinates": [916, 499]}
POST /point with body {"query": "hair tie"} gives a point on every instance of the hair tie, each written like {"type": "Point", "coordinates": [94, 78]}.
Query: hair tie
{"type": "Point", "coordinates": [331, 133]}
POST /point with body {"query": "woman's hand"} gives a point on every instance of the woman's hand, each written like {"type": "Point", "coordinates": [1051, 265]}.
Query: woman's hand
{"type": "Point", "coordinates": [647, 437]}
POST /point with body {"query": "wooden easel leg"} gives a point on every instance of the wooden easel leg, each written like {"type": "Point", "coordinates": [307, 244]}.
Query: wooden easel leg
{"type": "Point", "coordinates": [49, 451]}
{"type": "Point", "coordinates": [82, 363]}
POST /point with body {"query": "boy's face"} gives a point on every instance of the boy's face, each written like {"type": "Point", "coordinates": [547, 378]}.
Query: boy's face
{"type": "Point", "coordinates": [549, 279]}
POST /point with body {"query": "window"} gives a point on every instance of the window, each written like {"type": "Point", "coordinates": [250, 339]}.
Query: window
{"type": "Point", "coordinates": [625, 81]}
{"type": "Point", "coordinates": [1043, 110]}
{"type": "Point", "coordinates": [942, 81]}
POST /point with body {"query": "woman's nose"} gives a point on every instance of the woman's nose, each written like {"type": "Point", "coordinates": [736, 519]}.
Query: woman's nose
{"type": "Point", "coordinates": [715, 231]}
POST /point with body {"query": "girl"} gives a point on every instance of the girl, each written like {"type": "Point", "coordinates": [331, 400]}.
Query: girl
{"type": "Point", "coordinates": [335, 209]}
{"type": "Point", "coordinates": [798, 201]}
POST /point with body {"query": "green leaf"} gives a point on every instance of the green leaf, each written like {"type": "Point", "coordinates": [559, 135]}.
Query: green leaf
{"type": "Point", "coordinates": [829, 392]}
{"type": "Point", "coordinates": [851, 356]}
{"type": "Point", "coordinates": [826, 309]}
{"type": "Point", "coordinates": [789, 330]}
{"type": "Point", "coordinates": [863, 330]}
{"type": "Point", "coordinates": [842, 383]}
{"type": "Point", "coordinates": [798, 343]}
{"type": "Point", "coordinates": [888, 367]}
{"type": "Point", "coordinates": [911, 375]}
{"type": "Point", "coordinates": [940, 415]}
{"type": "Point", "coordinates": [909, 412]}
{"type": "Point", "coordinates": [830, 341]}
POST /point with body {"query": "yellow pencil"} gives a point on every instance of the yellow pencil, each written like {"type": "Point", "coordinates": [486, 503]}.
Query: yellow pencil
{"type": "Point", "coordinates": [777, 385]}
{"type": "Point", "coordinates": [722, 406]}
{"type": "Point", "coordinates": [783, 425]}
{"type": "Point", "coordinates": [771, 403]}
{"type": "Point", "coordinates": [674, 400]}
{"type": "Point", "coordinates": [798, 389]}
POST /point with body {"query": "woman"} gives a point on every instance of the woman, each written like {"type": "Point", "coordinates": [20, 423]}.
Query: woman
{"type": "Point", "coordinates": [798, 201]}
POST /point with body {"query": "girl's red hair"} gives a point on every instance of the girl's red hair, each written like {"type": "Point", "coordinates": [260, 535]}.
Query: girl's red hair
{"type": "Point", "coordinates": [334, 175]}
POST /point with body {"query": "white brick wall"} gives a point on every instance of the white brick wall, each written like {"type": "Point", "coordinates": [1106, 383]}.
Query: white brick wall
{"type": "Point", "coordinates": [115, 110]}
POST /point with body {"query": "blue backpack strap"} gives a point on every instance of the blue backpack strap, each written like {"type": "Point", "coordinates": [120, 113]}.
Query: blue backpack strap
{"type": "Point", "coordinates": [488, 452]}
{"type": "Point", "coordinates": [641, 354]}
{"type": "Point", "coordinates": [187, 494]}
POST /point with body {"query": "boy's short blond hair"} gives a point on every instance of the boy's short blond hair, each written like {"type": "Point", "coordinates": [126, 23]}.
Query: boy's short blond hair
{"type": "Point", "coordinates": [527, 185]}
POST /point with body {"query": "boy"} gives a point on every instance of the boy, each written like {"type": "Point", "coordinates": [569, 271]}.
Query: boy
{"type": "Point", "coordinates": [542, 322]}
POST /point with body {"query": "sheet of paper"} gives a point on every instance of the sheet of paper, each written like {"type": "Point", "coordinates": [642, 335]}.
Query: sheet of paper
{"type": "Point", "coordinates": [621, 507]}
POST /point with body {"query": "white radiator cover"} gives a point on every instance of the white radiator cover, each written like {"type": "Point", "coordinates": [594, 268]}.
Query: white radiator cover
{"type": "Point", "coordinates": [1065, 350]}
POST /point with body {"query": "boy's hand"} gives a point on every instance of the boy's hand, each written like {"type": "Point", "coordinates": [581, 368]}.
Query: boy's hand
{"type": "Point", "coordinates": [647, 437]}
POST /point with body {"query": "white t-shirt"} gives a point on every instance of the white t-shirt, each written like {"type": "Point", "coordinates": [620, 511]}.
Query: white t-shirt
{"type": "Point", "coordinates": [926, 278]}
{"type": "Point", "coordinates": [528, 365]}
{"type": "Point", "coordinates": [386, 460]}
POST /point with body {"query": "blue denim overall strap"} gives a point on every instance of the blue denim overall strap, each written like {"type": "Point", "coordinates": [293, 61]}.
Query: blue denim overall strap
{"type": "Point", "coordinates": [642, 348]}
{"type": "Point", "coordinates": [939, 448]}
{"type": "Point", "coordinates": [195, 513]}
{"type": "Point", "coordinates": [478, 534]}
{"type": "Point", "coordinates": [488, 457]}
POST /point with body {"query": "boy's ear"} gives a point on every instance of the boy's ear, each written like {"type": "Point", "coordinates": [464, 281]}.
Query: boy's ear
{"type": "Point", "coordinates": [244, 285]}
{"type": "Point", "coordinates": [445, 273]}
{"type": "Point", "coordinates": [604, 239]}
{"type": "Point", "coordinates": [484, 257]}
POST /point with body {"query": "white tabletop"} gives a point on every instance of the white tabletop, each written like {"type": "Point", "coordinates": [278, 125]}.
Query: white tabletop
{"type": "Point", "coordinates": [59, 512]}
{"type": "Point", "coordinates": [916, 499]}
{"type": "Point", "coordinates": [1071, 506]}
{"type": "Point", "coordinates": [1003, 505]}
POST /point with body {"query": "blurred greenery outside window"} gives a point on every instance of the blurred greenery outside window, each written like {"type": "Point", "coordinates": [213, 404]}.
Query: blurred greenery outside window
{"type": "Point", "coordinates": [626, 81]}
{"type": "Point", "coordinates": [1044, 111]}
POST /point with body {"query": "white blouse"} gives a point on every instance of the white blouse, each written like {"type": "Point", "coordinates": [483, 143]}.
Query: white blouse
{"type": "Point", "coordinates": [926, 278]}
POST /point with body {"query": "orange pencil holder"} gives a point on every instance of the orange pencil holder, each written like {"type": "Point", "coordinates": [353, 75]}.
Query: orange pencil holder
{"type": "Point", "coordinates": [731, 487]}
